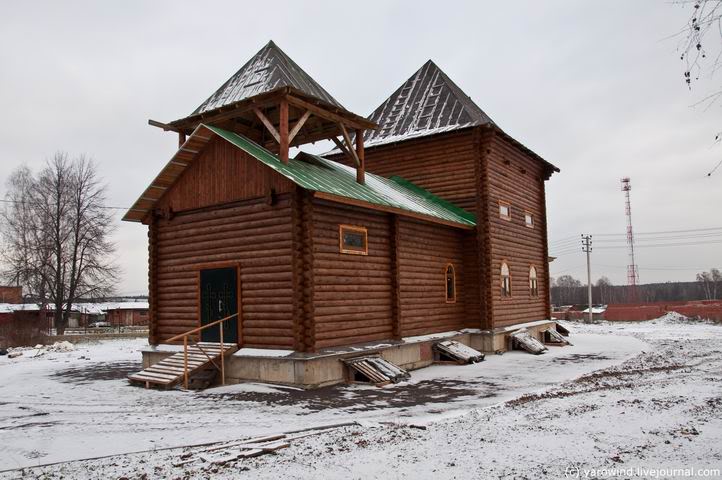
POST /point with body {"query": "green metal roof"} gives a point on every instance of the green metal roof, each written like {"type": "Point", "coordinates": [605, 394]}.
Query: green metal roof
{"type": "Point", "coordinates": [316, 173]}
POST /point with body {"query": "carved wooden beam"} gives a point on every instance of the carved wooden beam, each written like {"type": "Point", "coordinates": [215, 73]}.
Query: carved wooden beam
{"type": "Point", "coordinates": [284, 141]}
{"type": "Point", "coordinates": [299, 124]}
{"type": "Point", "coordinates": [269, 126]}
{"type": "Point", "coordinates": [341, 146]}
{"type": "Point", "coordinates": [349, 145]}
{"type": "Point", "coordinates": [361, 169]}
{"type": "Point", "coordinates": [324, 113]}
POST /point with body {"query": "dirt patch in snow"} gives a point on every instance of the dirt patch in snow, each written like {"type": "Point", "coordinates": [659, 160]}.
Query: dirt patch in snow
{"type": "Point", "coordinates": [98, 371]}
{"type": "Point", "coordinates": [367, 398]}
{"type": "Point", "coordinates": [579, 358]}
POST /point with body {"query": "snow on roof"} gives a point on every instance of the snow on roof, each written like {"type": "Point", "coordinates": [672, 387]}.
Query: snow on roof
{"type": "Point", "coordinates": [83, 307]}
{"type": "Point", "coordinates": [267, 70]}
{"type": "Point", "coordinates": [600, 309]}
{"type": "Point", "coordinates": [17, 307]}
{"type": "Point", "coordinates": [124, 306]}
{"type": "Point", "coordinates": [427, 103]}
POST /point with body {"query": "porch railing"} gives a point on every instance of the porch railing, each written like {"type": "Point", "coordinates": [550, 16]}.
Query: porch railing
{"type": "Point", "coordinates": [186, 337]}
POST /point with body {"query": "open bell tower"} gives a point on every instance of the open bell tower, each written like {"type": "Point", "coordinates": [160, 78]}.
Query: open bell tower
{"type": "Point", "coordinates": [275, 103]}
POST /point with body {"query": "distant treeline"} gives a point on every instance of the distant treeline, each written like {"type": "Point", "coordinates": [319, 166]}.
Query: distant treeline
{"type": "Point", "coordinates": [603, 293]}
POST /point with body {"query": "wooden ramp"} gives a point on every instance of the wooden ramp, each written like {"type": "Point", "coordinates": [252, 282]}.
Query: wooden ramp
{"type": "Point", "coordinates": [171, 370]}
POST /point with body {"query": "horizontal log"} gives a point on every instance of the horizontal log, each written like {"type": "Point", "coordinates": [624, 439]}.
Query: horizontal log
{"type": "Point", "coordinates": [332, 329]}
{"type": "Point", "coordinates": [267, 342]}
{"type": "Point", "coordinates": [351, 286]}
{"type": "Point", "coordinates": [351, 308]}
{"type": "Point", "coordinates": [357, 298]}
{"type": "Point", "coordinates": [350, 340]}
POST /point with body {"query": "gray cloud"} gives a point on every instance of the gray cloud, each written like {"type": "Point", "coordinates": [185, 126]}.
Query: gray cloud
{"type": "Point", "coordinates": [593, 87]}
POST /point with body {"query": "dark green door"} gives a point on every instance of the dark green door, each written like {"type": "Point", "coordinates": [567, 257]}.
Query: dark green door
{"type": "Point", "coordinates": [219, 299]}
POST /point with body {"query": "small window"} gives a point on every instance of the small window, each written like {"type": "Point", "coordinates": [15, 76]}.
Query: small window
{"type": "Point", "coordinates": [505, 210]}
{"type": "Point", "coordinates": [533, 285]}
{"type": "Point", "coordinates": [353, 240]}
{"type": "Point", "coordinates": [505, 280]}
{"type": "Point", "coordinates": [528, 219]}
{"type": "Point", "coordinates": [450, 284]}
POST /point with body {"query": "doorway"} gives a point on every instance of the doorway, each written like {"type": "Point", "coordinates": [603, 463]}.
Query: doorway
{"type": "Point", "coordinates": [219, 299]}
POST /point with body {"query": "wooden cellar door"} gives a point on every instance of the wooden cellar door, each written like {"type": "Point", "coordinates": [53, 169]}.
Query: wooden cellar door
{"type": "Point", "coordinates": [219, 299]}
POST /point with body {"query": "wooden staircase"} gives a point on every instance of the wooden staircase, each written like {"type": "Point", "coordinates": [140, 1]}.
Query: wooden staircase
{"type": "Point", "coordinates": [172, 370]}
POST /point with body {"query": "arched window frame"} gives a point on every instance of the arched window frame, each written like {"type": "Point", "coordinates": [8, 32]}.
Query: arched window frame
{"type": "Point", "coordinates": [505, 280]}
{"type": "Point", "coordinates": [533, 281]}
{"type": "Point", "coordinates": [450, 269]}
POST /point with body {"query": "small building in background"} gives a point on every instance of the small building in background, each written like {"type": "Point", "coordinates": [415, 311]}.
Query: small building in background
{"type": "Point", "coordinates": [126, 314]}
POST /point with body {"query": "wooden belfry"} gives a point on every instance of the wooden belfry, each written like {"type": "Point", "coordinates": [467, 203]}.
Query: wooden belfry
{"type": "Point", "coordinates": [273, 102]}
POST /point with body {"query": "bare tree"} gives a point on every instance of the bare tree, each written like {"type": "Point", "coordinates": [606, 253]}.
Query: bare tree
{"type": "Point", "coordinates": [708, 283]}
{"type": "Point", "coordinates": [56, 234]}
{"type": "Point", "coordinates": [26, 253]}
{"type": "Point", "coordinates": [711, 283]}
{"type": "Point", "coordinates": [700, 46]}
{"type": "Point", "coordinates": [564, 289]}
{"type": "Point", "coordinates": [604, 286]}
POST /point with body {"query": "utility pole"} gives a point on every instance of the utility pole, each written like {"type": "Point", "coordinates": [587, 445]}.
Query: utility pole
{"type": "Point", "coordinates": [587, 248]}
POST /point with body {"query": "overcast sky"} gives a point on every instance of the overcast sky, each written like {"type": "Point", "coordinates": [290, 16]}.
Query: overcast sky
{"type": "Point", "coordinates": [594, 87]}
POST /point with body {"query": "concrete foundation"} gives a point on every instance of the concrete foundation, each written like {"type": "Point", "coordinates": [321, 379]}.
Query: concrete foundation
{"type": "Point", "coordinates": [314, 370]}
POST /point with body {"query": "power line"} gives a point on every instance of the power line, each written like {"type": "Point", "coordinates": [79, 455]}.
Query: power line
{"type": "Point", "coordinates": [567, 270]}
{"type": "Point", "coordinates": [672, 237]}
{"type": "Point", "coordinates": [565, 239]}
{"type": "Point", "coordinates": [659, 245]}
{"type": "Point", "coordinates": [656, 267]}
{"type": "Point", "coordinates": [660, 232]}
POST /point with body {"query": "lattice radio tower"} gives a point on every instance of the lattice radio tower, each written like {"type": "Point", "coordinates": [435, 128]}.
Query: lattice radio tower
{"type": "Point", "coordinates": [632, 271]}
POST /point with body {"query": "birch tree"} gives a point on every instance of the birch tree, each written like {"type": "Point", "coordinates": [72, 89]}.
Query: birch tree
{"type": "Point", "coordinates": [56, 234]}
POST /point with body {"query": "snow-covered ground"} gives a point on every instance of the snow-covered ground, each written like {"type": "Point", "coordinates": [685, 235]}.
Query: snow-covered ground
{"type": "Point", "coordinates": [625, 395]}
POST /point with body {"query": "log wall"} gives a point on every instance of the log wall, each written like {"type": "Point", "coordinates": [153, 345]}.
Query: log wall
{"type": "Point", "coordinates": [223, 173]}
{"type": "Point", "coordinates": [227, 209]}
{"type": "Point", "coordinates": [442, 164]}
{"type": "Point", "coordinates": [251, 234]}
{"type": "Point", "coordinates": [352, 298]}
{"type": "Point", "coordinates": [424, 251]}
{"type": "Point", "coordinates": [514, 177]}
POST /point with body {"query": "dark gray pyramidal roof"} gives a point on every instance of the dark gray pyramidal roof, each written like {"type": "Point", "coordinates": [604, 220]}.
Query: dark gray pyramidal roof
{"type": "Point", "coordinates": [268, 70]}
{"type": "Point", "coordinates": [427, 103]}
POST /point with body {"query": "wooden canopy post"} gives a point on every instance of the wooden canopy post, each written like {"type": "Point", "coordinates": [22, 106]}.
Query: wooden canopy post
{"type": "Point", "coordinates": [283, 130]}
{"type": "Point", "coordinates": [181, 139]}
{"type": "Point", "coordinates": [361, 167]}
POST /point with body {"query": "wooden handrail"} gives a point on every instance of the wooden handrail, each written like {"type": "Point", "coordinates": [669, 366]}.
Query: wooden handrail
{"type": "Point", "coordinates": [185, 336]}
{"type": "Point", "coordinates": [202, 327]}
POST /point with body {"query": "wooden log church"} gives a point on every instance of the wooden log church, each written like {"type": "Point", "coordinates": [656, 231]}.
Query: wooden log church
{"type": "Point", "coordinates": [426, 218]}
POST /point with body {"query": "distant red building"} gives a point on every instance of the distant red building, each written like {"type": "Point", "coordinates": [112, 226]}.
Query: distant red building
{"type": "Point", "coordinates": [10, 294]}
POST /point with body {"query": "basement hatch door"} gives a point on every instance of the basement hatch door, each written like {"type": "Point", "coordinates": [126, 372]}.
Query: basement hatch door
{"type": "Point", "coordinates": [522, 339]}
{"type": "Point", "coordinates": [375, 369]}
{"type": "Point", "coordinates": [451, 350]}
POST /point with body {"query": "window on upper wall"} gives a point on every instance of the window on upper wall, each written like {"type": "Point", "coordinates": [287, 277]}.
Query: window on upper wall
{"type": "Point", "coordinates": [528, 219]}
{"type": "Point", "coordinates": [504, 210]}
{"type": "Point", "coordinates": [505, 280]}
{"type": "Point", "coordinates": [353, 240]}
{"type": "Point", "coordinates": [533, 285]}
{"type": "Point", "coordinates": [450, 284]}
